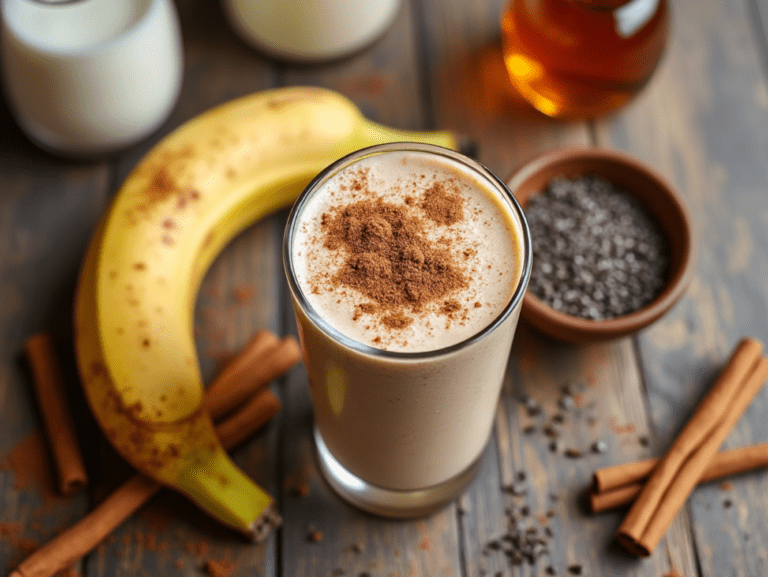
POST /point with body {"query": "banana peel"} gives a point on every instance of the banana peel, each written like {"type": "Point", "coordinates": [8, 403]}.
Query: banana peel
{"type": "Point", "coordinates": [184, 201]}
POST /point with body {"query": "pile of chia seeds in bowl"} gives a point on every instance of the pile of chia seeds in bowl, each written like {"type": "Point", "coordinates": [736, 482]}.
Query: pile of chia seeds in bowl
{"type": "Point", "coordinates": [597, 252]}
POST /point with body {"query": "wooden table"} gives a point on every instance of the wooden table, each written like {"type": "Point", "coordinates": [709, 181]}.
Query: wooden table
{"type": "Point", "coordinates": [702, 122]}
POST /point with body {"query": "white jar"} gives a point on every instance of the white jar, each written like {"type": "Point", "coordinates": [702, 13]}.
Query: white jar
{"type": "Point", "coordinates": [89, 77]}
{"type": "Point", "coordinates": [310, 30]}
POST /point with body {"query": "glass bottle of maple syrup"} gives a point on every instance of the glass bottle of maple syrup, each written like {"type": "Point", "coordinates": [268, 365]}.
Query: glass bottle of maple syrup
{"type": "Point", "coordinates": [582, 58]}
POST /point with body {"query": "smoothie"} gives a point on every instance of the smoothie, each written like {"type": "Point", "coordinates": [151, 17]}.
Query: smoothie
{"type": "Point", "coordinates": [407, 264]}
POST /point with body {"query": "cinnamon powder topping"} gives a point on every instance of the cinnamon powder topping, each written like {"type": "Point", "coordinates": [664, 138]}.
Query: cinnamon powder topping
{"type": "Point", "coordinates": [442, 205]}
{"type": "Point", "coordinates": [389, 258]}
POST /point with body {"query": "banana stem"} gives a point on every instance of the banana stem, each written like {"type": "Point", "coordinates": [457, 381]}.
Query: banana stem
{"type": "Point", "coordinates": [221, 488]}
{"type": "Point", "coordinates": [375, 132]}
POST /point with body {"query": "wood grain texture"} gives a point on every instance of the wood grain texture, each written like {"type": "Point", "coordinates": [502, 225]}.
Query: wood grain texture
{"type": "Point", "coordinates": [701, 123]}
{"type": "Point", "coordinates": [385, 82]}
{"type": "Point", "coordinates": [512, 133]}
{"type": "Point", "coordinates": [47, 207]}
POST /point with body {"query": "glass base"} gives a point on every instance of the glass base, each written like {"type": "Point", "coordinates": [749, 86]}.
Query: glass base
{"type": "Point", "coordinates": [389, 502]}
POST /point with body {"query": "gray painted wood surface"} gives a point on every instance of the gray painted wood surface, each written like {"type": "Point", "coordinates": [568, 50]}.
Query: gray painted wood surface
{"type": "Point", "coordinates": [702, 122]}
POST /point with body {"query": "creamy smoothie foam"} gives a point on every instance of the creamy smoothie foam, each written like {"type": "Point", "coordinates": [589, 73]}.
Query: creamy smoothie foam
{"type": "Point", "coordinates": [407, 266]}
{"type": "Point", "coordinates": [485, 242]}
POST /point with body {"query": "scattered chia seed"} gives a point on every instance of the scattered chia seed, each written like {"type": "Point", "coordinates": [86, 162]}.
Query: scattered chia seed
{"type": "Point", "coordinates": [516, 489]}
{"type": "Point", "coordinates": [531, 406]}
{"type": "Point", "coordinates": [572, 388]}
{"type": "Point", "coordinates": [599, 447]}
{"type": "Point", "coordinates": [573, 453]}
{"type": "Point", "coordinates": [566, 402]}
{"type": "Point", "coordinates": [599, 254]}
{"type": "Point", "coordinates": [574, 569]}
{"type": "Point", "coordinates": [727, 503]}
{"type": "Point", "coordinates": [644, 441]}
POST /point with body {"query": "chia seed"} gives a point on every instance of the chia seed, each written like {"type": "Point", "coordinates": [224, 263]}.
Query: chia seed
{"type": "Point", "coordinates": [566, 402]}
{"type": "Point", "coordinates": [599, 447]}
{"type": "Point", "coordinates": [598, 254]}
{"type": "Point", "coordinates": [531, 406]}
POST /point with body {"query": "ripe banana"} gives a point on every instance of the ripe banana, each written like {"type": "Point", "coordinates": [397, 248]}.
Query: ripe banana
{"type": "Point", "coordinates": [192, 193]}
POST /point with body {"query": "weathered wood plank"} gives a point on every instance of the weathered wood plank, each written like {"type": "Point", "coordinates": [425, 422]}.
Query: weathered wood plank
{"type": "Point", "coordinates": [510, 134]}
{"type": "Point", "coordinates": [604, 382]}
{"type": "Point", "coordinates": [701, 122]}
{"type": "Point", "coordinates": [703, 125]}
{"type": "Point", "coordinates": [47, 207]}
{"type": "Point", "coordinates": [384, 81]}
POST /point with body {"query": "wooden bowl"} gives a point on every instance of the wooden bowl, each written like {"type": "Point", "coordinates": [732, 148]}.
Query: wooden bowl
{"type": "Point", "coordinates": [655, 193]}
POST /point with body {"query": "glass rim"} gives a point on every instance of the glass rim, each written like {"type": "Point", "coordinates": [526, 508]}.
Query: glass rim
{"type": "Point", "coordinates": [329, 172]}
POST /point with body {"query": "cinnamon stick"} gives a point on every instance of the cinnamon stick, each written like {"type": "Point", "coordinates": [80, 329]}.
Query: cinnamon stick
{"type": "Point", "coordinates": [234, 376]}
{"type": "Point", "coordinates": [619, 485]}
{"type": "Point", "coordinates": [619, 475]}
{"type": "Point", "coordinates": [679, 471]}
{"type": "Point", "coordinates": [613, 498]}
{"type": "Point", "coordinates": [240, 425]}
{"type": "Point", "coordinates": [82, 537]}
{"type": "Point", "coordinates": [264, 353]}
{"type": "Point", "coordinates": [56, 416]}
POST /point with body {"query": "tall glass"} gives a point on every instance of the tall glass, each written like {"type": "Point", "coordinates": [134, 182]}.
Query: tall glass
{"type": "Point", "coordinates": [89, 77]}
{"type": "Point", "coordinates": [401, 432]}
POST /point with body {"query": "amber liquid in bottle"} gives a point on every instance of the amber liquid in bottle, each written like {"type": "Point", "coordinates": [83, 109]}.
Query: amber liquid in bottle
{"type": "Point", "coordinates": [582, 58]}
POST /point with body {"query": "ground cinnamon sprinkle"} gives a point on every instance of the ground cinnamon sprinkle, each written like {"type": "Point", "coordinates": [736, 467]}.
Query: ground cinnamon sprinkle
{"type": "Point", "coordinates": [397, 321]}
{"type": "Point", "coordinates": [442, 205]}
{"type": "Point", "coordinates": [30, 463]}
{"type": "Point", "coordinates": [219, 568]}
{"type": "Point", "coordinates": [199, 548]}
{"type": "Point", "coordinates": [450, 307]}
{"type": "Point", "coordinates": [390, 259]}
